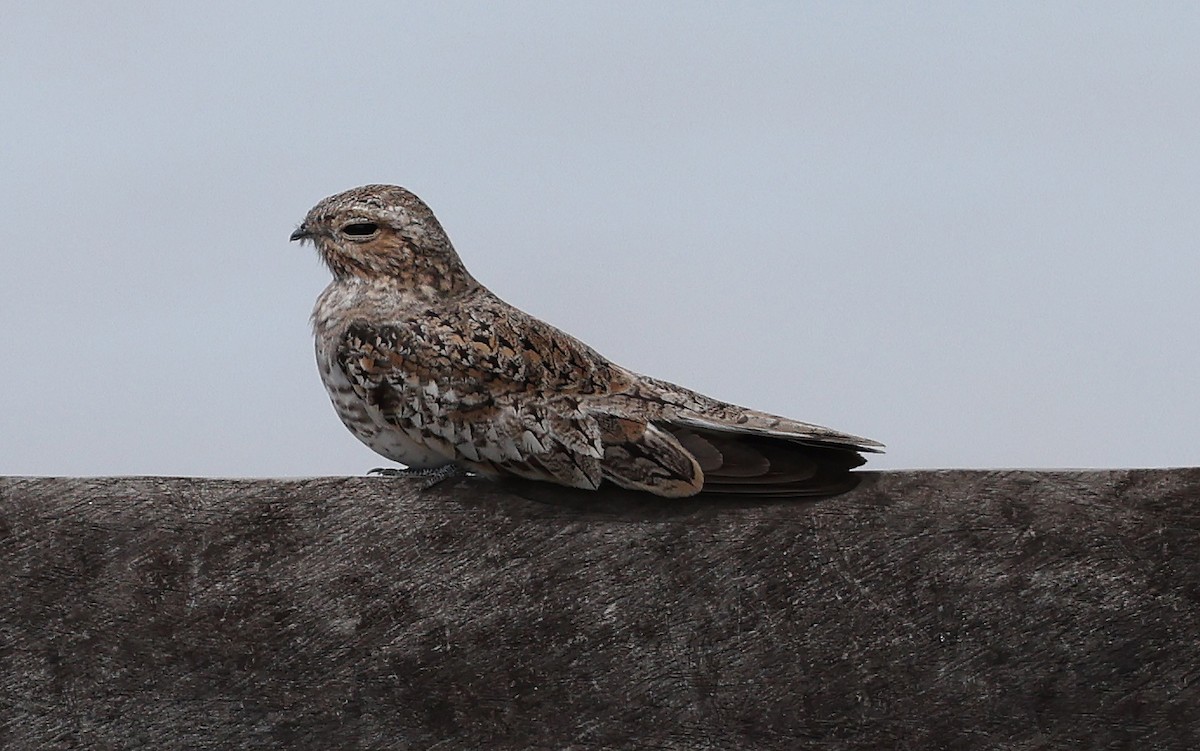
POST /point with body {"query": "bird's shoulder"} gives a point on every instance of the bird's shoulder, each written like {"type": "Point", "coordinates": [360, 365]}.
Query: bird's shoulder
{"type": "Point", "coordinates": [473, 343]}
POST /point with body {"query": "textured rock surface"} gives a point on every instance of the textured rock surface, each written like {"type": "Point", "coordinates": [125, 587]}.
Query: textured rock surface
{"type": "Point", "coordinates": [922, 610]}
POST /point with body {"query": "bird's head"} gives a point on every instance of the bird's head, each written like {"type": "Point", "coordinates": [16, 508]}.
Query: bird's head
{"type": "Point", "coordinates": [379, 232]}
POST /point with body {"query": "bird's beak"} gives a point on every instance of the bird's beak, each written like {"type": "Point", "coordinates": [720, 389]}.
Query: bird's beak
{"type": "Point", "coordinates": [301, 233]}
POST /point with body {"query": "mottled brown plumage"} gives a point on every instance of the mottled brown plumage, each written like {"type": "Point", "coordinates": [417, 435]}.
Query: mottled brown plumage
{"type": "Point", "coordinates": [429, 368]}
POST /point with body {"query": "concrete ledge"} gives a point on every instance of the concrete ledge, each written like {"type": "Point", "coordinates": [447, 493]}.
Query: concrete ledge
{"type": "Point", "coordinates": [955, 609]}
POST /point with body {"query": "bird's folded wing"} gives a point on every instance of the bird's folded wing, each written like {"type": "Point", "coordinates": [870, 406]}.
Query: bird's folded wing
{"type": "Point", "coordinates": [748, 452]}
{"type": "Point", "coordinates": [439, 395]}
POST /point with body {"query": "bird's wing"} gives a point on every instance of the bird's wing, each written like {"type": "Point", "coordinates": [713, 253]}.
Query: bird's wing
{"type": "Point", "coordinates": [745, 451]}
{"type": "Point", "coordinates": [468, 399]}
{"type": "Point", "coordinates": [640, 455]}
{"type": "Point", "coordinates": [506, 396]}
{"type": "Point", "coordinates": [506, 402]}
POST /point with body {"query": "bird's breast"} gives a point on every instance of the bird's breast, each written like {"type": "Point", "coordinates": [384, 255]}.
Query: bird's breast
{"type": "Point", "coordinates": [367, 422]}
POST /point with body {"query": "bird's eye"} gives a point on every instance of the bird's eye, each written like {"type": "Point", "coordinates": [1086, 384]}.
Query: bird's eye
{"type": "Point", "coordinates": [360, 229]}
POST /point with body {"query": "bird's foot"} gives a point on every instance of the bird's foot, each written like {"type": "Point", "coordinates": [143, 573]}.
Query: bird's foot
{"type": "Point", "coordinates": [432, 475]}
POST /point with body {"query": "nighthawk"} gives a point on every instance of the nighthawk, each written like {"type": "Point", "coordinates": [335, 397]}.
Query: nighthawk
{"type": "Point", "coordinates": [430, 369]}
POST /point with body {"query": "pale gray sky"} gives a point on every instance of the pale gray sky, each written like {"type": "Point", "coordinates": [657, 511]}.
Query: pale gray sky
{"type": "Point", "coordinates": [969, 232]}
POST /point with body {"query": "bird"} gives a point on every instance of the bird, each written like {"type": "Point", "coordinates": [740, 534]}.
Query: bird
{"type": "Point", "coordinates": [430, 369]}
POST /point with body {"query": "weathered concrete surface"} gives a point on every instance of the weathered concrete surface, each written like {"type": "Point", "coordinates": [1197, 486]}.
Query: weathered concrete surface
{"type": "Point", "coordinates": [959, 610]}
